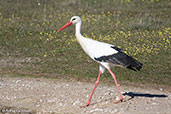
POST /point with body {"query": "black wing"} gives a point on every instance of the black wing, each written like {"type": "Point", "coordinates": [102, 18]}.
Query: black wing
{"type": "Point", "coordinates": [121, 59]}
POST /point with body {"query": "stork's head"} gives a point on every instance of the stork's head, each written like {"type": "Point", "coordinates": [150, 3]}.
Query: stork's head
{"type": "Point", "coordinates": [74, 20]}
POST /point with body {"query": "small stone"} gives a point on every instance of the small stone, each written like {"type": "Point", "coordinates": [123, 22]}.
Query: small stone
{"type": "Point", "coordinates": [153, 98]}
{"type": "Point", "coordinates": [96, 110]}
{"type": "Point", "coordinates": [114, 111]}
{"type": "Point", "coordinates": [37, 105]}
{"type": "Point", "coordinates": [18, 81]}
{"type": "Point", "coordinates": [101, 97]}
{"type": "Point", "coordinates": [67, 85]}
{"type": "Point", "coordinates": [76, 102]}
{"type": "Point", "coordinates": [117, 98]}
{"type": "Point", "coordinates": [154, 103]}
{"type": "Point", "coordinates": [161, 89]}
{"type": "Point", "coordinates": [40, 100]}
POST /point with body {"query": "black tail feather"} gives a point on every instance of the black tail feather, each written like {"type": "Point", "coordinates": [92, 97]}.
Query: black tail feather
{"type": "Point", "coordinates": [134, 64]}
{"type": "Point", "coordinates": [134, 68]}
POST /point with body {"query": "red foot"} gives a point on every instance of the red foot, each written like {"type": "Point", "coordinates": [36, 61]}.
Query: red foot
{"type": "Point", "coordinates": [120, 100]}
{"type": "Point", "coordinates": [86, 105]}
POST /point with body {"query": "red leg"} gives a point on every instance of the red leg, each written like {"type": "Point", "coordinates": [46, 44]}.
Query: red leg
{"type": "Point", "coordinates": [98, 79]}
{"type": "Point", "coordinates": [114, 77]}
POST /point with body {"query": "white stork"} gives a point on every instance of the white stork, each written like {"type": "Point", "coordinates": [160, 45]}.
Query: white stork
{"type": "Point", "coordinates": [103, 53]}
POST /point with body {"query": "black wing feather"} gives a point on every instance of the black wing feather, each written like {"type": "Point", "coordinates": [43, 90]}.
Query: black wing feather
{"type": "Point", "coordinates": [121, 59]}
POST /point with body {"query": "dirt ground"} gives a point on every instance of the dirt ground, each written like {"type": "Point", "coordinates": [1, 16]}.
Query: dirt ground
{"type": "Point", "coordinates": [20, 95]}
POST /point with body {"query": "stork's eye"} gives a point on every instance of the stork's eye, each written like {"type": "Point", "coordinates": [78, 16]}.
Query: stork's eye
{"type": "Point", "coordinates": [73, 19]}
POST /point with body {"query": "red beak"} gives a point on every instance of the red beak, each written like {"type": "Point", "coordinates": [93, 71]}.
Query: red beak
{"type": "Point", "coordinates": [66, 25]}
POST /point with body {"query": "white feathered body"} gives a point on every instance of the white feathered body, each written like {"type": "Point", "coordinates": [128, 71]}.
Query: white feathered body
{"type": "Point", "coordinates": [95, 49]}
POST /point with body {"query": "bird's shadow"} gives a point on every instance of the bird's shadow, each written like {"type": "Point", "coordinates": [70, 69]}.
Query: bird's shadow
{"type": "Point", "coordinates": [134, 94]}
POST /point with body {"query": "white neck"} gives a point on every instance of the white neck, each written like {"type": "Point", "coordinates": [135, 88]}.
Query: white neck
{"type": "Point", "coordinates": [79, 37]}
{"type": "Point", "coordinates": [78, 30]}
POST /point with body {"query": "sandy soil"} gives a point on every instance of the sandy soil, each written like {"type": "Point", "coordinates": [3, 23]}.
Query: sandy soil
{"type": "Point", "coordinates": [20, 95]}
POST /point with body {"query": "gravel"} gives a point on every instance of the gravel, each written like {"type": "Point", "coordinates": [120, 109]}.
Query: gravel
{"type": "Point", "coordinates": [19, 95]}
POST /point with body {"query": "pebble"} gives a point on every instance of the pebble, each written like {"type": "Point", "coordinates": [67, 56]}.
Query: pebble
{"type": "Point", "coordinates": [114, 111]}
{"type": "Point", "coordinates": [96, 110]}
{"type": "Point", "coordinates": [161, 89]}
{"type": "Point", "coordinates": [154, 103]}
{"type": "Point", "coordinates": [76, 102]}
{"type": "Point", "coordinates": [40, 100]}
{"type": "Point", "coordinates": [37, 105]}
{"type": "Point", "coordinates": [1, 84]}
{"type": "Point", "coordinates": [153, 98]}
{"type": "Point", "coordinates": [67, 85]}
{"type": "Point", "coordinates": [17, 81]}
{"type": "Point", "coordinates": [117, 98]}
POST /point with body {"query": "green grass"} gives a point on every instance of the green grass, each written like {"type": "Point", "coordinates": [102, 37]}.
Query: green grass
{"type": "Point", "coordinates": [142, 28]}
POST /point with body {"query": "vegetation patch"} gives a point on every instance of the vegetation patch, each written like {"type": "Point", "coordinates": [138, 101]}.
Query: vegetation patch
{"type": "Point", "coordinates": [142, 28]}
